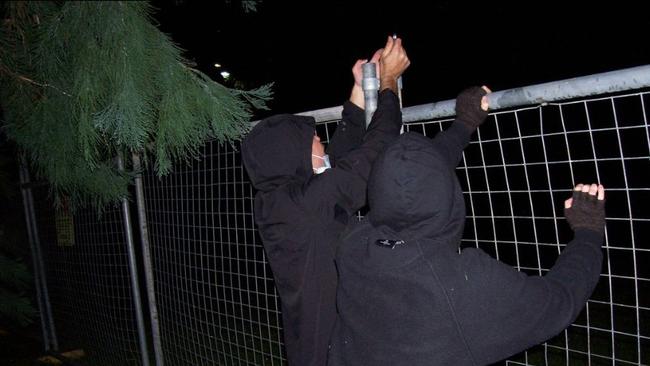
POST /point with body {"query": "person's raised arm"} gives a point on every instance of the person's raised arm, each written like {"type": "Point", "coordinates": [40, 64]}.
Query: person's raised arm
{"type": "Point", "coordinates": [349, 132]}
{"type": "Point", "coordinates": [578, 267]}
{"type": "Point", "coordinates": [511, 311]}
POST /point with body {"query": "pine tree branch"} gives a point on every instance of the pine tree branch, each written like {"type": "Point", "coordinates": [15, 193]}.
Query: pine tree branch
{"type": "Point", "coordinates": [130, 89]}
{"type": "Point", "coordinates": [28, 80]}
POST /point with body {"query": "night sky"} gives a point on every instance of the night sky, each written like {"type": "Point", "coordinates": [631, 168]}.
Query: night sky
{"type": "Point", "coordinates": [307, 48]}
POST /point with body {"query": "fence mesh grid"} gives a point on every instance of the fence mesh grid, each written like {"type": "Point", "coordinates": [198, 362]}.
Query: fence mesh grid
{"type": "Point", "coordinates": [216, 297]}
{"type": "Point", "coordinates": [88, 281]}
{"type": "Point", "coordinates": [215, 292]}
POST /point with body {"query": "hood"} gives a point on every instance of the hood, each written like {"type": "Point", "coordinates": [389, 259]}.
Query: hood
{"type": "Point", "coordinates": [278, 151]}
{"type": "Point", "coordinates": [414, 194]}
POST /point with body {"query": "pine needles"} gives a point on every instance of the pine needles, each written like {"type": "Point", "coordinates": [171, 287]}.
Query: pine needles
{"type": "Point", "coordinates": [85, 81]}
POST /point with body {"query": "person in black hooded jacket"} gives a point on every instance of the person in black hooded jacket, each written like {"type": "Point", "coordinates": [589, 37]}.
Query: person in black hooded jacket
{"type": "Point", "coordinates": [301, 206]}
{"type": "Point", "coordinates": [407, 296]}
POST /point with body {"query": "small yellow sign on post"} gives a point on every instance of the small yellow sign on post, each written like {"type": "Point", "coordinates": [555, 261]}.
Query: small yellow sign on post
{"type": "Point", "coordinates": [64, 228]}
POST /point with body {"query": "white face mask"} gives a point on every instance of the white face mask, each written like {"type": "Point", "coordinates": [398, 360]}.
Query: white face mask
{"type": "Point", "coordinates": [326, 161]}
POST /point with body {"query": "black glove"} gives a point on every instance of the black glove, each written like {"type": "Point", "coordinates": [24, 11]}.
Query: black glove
{"type": "Point", "coordinates": [586, 212]}
{"type": "Point", "coordinates": [468, 107]}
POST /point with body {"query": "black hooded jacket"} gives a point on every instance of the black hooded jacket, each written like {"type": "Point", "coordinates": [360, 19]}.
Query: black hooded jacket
{"type": "Point", "coordinates": [300, 215]}
{"type": "Point", "coordinates": [407, 297]}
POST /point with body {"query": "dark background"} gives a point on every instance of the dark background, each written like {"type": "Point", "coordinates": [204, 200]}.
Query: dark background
{"type": "Point", "coordinates": [307, 48]}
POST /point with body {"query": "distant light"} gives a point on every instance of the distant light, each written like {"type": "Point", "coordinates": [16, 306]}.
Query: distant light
{"type": "Point", "coordinates": [225, 74]}
{"type": "Point", "coordinates": [217, 65]}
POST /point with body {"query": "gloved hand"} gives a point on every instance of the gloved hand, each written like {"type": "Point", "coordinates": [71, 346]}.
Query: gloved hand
{"type": "Point", "coordinates": [585, 210]}
{"type": "Point", "coordinates": [468, 107]}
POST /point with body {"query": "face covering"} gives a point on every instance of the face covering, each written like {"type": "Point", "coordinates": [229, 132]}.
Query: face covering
{"type": "Point", "coordinates": [326, 160]}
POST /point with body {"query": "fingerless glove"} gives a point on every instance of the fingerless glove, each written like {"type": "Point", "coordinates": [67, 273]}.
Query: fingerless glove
{"type": "Point", "coordinates": [586, 212]}
{"type": "Point", "coordinates": [468, 107]}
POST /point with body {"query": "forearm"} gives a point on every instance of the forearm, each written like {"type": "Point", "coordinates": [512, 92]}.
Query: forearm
{"type": "Point", "coordinates": [387, 119]}
{"type": "Point", "coordinates": [578, 268]}
{"type": "Point", "coordinates": [565, 289]}
{"type": "Point", "coordinates": [356, 96]}
{"type": "Point", "coordinates": [352, 171]}
{"type": "Point", "coordinates": [349, 132]}
{"type": "Point", "coordinates": [453, 141]}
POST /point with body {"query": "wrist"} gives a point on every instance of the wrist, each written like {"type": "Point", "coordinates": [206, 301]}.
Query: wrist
{"type": "Point", "coordinates": [463, 126]}
{"type": "Point", "coordinates": [472, 120]}
{"type": "Point", "coordinates": [471, 126]}
{"type": "Point", "coordinates": [388, 83]}
{"type": "Point", "coordinates": [356, 96]}
{"type": "Point", "coordinates": [589, 234]}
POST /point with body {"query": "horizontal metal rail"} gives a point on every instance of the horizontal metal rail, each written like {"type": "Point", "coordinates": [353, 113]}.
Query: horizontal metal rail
{"type": "Point", "coordinates": [603, 83]}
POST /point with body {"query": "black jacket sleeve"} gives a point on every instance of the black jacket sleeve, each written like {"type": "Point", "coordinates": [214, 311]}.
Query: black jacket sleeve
{"type": "Point", "coordinates": [346, 183]}
{"type": "Point", "coordinates": [452, 141]}
{"type": "Point", "coordinates": [349, 132]}
{"type": "Point", "coordinates": [510, 311]}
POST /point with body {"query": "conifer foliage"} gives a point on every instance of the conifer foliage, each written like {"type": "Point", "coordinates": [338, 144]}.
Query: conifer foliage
{"type": "Point", "coordinates": [85, 81]}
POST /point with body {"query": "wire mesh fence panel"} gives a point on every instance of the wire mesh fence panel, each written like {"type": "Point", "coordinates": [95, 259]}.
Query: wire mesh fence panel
{"type": "Point", "coordinates": [215, 290]}
{"type": "Point", "coordinates": [88, 280]}
{"type": "Point", "coordinates": [215, 293]}
{"type": "Point", "coordinates": [516, 173]}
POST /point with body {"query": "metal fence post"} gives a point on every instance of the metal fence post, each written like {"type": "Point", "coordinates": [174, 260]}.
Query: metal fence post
{"type": "Point", "coordinates": [50, 341]}
{"type": "Point", "coordinates": [133, 269]}
{"type": "Point", "coordinates": [146, 258]}
{"type": "Point", "coordinates": [370, 85]}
